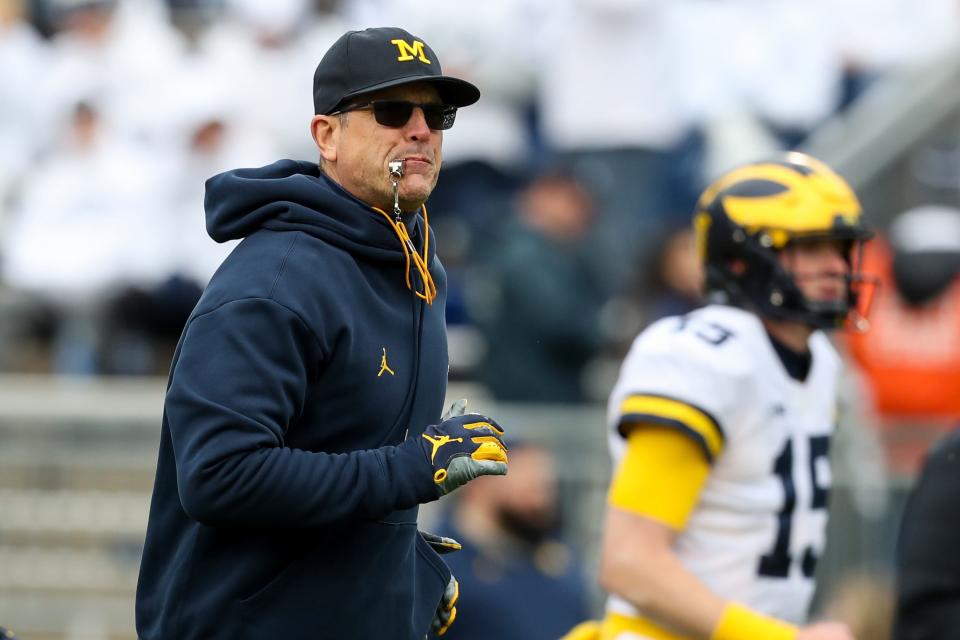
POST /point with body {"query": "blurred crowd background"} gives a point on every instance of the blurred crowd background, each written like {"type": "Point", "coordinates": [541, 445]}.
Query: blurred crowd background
{"type": "Point", "coordinates": [562, 216]}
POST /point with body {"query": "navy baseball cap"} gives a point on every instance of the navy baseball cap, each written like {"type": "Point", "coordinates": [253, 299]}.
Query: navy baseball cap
{"type": "Point", "coordinates": [363, 61]}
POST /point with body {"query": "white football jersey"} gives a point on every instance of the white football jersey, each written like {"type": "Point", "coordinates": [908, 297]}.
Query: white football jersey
{"type": "Point", "coordinates": [759, 526]}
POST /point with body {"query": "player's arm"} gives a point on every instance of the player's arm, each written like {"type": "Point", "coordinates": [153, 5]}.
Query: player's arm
{"type": "Point", "coordinates": [651, 499]}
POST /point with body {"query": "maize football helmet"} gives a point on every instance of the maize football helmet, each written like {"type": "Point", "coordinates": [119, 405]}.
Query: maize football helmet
{"type": "Point", "coordinates": [745, 218]}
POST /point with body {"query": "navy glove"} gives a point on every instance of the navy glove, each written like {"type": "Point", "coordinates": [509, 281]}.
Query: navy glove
{"type": "Point", "coordinates": [441, 544]}
{"type": "Point", "coordinates": [446, 611]}
{"type": "Point", "coordinates": [462, 447]}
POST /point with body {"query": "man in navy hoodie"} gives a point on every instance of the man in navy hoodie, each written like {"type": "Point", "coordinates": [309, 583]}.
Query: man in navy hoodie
{"type": "Point", "coordinates": [302, 425]}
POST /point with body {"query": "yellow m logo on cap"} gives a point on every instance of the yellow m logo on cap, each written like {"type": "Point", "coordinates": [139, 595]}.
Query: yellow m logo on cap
{"type": "Point", "coordinates": [409, 52]}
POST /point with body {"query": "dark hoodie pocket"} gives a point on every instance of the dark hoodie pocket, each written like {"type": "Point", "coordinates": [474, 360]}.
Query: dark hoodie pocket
{"type": "Point", "coordinates": [290, 606]}
{"type": "Point", "coordinates": [378, 580]}
{"type": "Point", "coordinates": [276, 583]}
{"type": "Point", "coordinates": [432, 578]}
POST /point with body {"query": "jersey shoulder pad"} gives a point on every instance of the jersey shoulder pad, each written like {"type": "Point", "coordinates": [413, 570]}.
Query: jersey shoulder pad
{"type": "Point", "coordinates": [674, 377]}
{"type": "Point", "coordinates": [703, 340]}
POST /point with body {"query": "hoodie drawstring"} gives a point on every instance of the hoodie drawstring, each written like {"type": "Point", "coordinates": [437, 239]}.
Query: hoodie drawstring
{"type": "Point", "coordinates": [410, 253]}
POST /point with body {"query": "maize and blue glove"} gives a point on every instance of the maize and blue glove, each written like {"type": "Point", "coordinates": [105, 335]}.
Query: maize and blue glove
{"type": "Point", "coordinates": [446, 610]}
{"type": "Point", "coordinates": [441, 544]}
{"type": "Point", "coordinates": [462, 447]}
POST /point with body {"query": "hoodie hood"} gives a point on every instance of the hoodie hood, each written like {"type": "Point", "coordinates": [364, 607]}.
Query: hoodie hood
{"type": "Point", "coordinates": [293, 195]}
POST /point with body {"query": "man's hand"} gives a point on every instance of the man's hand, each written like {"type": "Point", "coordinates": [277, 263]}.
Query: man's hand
{"type": "Point", "coordinates": [462, 447]}
{"type": "Point", "coordinates": [446, 610]}
{"type": "Point", "coordinates": [441, 544]}
{"type": "Point", "coordinates": [825, 631]}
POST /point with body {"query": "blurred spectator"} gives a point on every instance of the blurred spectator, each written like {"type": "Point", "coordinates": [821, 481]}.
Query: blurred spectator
{"type": "Point", "coordinates": [71, 234]}
{"type": "Point", "coordinates": [875, 36]}
{"type": "Point", "coordinates": [789, 93]}
{"type": "Point", "coordinates": [636, 94]}
{"type": "Point", "coordinates": [266, 53]}
{"type": "Point", "coordinates": [739, 73]}
{"type": "Point", "coordinates": [141, 323]}
{"type": "Point", "coordinates": [610, 102]}
{"type": "Point", "coordinates": [138, 329]}
{"type": "Point", "coordinates": [674, 281]}
{"type": "Point", "coordinates": [207, 136]}
{"type": "Point", "coordinates": [928, 565]}
{"type": "Point", "coordinates": [516, 579]}
{"type": "Point", "coordinates": [911, 354]}
{"type": "Point", "coordinates": [22, 61]}
{"type": "Point", "coordinates": [99, 49]}
{"type": "Point", "coordinates": [541, 316]}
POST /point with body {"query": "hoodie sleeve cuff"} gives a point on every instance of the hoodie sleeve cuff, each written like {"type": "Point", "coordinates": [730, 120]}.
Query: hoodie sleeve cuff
{"type": "Point", "coordinates": [408, 470]}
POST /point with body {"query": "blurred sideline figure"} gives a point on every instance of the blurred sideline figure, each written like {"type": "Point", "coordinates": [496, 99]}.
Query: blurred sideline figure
{"type": "Point", "coordinates": [641, 154]}
{"type": "Point", "coordinates": [864, 601]}
{"type": "Point", "coordinates": [542, 321]}
{"type": "Point", "coordinates": [262, 51]}
{"type": "Point", "coordinates": [516, 579]}
{"type": "Point", "coordinates": [674, 280]}
{"type": "Point", "coordinates": [928, 566]}
{"type": "Point", "coordinates": [22, 60]}
{"type": "Point", "coordinates": [720, 423]}
{"type": "Point", "coordinates": [67, 242]}
{"type": "Point", "coordinates": [911, 355]}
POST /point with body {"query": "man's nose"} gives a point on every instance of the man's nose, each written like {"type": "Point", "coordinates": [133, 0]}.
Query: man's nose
{"type": "Point", "coordinates": [416, 127]}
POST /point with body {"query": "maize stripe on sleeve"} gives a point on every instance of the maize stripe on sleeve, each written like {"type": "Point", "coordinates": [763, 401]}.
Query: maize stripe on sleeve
{"type": "Point", "coordinates": [662, 410]}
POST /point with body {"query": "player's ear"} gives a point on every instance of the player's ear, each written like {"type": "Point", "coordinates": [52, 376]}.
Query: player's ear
{"type": "Point", "coordinates": [326, 134]}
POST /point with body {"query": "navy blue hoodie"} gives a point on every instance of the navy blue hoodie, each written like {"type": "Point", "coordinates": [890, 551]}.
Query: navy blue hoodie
{"type": "Point", "coordinates": [290, 470]}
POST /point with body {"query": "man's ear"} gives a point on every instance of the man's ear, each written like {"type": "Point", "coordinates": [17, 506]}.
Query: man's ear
{"type": "Point", "coordinates": [326, 134]}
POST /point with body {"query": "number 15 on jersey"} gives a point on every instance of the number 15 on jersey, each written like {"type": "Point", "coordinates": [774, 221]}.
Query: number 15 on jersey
{"type": "Point", "coordinates": [776, 563]}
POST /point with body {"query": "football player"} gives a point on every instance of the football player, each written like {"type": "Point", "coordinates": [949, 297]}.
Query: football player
{"type": "Point", "coordinates": [720, 422]}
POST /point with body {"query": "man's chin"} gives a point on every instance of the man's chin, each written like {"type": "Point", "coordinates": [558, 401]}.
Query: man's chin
{"type": "Point", "coordinates": [412, 198]}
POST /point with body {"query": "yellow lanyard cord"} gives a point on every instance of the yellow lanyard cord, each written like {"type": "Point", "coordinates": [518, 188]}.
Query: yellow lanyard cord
{"type": "Point", "coordinates": [410, 252]}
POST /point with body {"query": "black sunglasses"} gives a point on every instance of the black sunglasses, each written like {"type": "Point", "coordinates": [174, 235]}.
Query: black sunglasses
{"type": "Point", "coordinates": [396, 113]}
